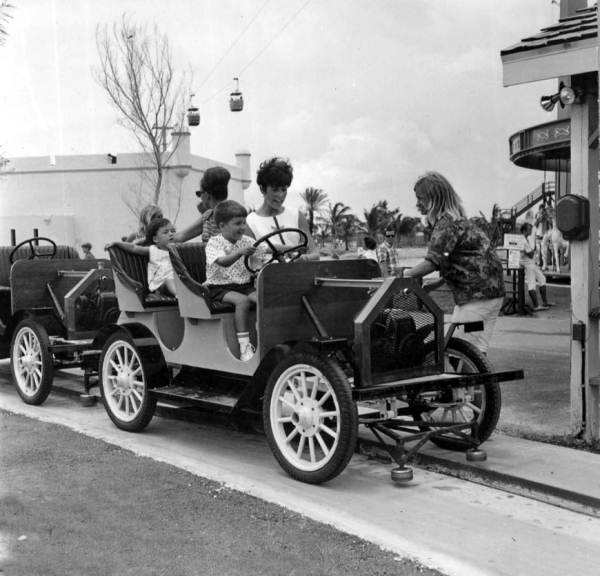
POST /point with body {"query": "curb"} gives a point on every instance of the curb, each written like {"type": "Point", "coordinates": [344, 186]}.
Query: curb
{"type": "Point", "coordinates": [478, 474]}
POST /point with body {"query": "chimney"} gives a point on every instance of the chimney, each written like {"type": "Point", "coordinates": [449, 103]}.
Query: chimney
{"type": "Point", "coordinates": [181, 160]}
{"type": "Point", "coordinates": [242, 160]}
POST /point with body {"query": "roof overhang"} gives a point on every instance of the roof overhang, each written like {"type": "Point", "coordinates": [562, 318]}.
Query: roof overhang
{"type": "Point", "coordinates": [550, 62]}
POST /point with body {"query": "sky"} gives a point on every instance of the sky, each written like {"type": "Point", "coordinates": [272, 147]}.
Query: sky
{"type": "Point", "coordinates": [363, 96]}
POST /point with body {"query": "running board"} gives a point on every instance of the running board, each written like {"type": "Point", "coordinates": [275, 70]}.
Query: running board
{"type": "Point", "coordinates": [191, 395]}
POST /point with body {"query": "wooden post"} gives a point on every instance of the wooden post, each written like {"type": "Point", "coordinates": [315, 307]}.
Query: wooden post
{"type": "Point", "coordinates": [585, 362]}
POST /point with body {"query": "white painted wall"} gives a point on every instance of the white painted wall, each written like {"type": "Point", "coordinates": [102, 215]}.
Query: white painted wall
{"type": "Point", "coordinates": [76, 199]}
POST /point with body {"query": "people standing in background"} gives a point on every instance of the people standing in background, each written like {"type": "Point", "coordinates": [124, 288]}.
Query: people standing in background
{"type": "Point", "coordinates": [386, 255]}
{"type": "Point", "coordinates": [369, 252]}
{"type": "Point", "coordinates": [533, 275]}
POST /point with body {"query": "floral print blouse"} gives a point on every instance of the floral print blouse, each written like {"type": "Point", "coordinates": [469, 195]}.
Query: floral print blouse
{"type": "Point", "coordinates": [462, 252]}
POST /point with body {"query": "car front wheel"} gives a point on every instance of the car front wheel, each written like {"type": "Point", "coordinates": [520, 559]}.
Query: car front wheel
{"type": "Point", "coordinates": [310, 418]}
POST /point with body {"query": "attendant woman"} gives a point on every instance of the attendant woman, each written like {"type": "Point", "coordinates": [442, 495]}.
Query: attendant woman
{"type": "Point", "coordinates": [274, 177]}
{"type": "Point", "coordinates": [462, 253]}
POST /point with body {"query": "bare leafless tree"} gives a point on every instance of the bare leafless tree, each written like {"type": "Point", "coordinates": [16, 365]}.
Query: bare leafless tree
{"type": "Point", "coordinates": [137, 72]}
{"type": "Point", "coordinates": [5, 16]}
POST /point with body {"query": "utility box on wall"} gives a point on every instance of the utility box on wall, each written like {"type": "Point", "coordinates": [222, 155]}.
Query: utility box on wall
{"type": "Point", "coordinates": [573, 217]}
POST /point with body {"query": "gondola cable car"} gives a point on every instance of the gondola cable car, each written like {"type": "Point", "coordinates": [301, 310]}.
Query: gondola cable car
{"type": "Point", "coordinates": [193, 115]}
{"type": "Point", "coordinates": [236, 99]}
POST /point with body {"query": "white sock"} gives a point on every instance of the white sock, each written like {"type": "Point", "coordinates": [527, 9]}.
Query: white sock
{"type": "Point", "coordinates": [243, 338]}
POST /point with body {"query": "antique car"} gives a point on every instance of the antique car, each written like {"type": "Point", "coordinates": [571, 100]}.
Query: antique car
{"type": "Point", "coordinates": [338, 349]}
{"type": "Point", "coordinates": [51, 305]}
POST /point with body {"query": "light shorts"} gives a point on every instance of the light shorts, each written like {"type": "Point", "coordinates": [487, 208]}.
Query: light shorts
{"type": "Point", "coordinates": [485, 311]}
{"type": "Point", "coordinates": [533, 276]}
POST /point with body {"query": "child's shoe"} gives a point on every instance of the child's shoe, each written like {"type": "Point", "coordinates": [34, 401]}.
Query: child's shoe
{"type": "Point", "coordinates": [246, 351]}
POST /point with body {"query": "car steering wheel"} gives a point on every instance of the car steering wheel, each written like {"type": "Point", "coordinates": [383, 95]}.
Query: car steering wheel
{"type": "Point", "coordinates": [34, 251]}
{"type": "Point", "coordinates": [287, 254]}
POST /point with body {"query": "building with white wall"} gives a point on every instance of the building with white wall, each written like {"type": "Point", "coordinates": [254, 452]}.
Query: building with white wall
{"type": "Point", "coordinates": [77, 199]}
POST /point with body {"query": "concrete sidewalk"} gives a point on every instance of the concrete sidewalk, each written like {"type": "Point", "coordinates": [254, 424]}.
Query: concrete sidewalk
{"type": "Point", "coordinates": [556, 475]}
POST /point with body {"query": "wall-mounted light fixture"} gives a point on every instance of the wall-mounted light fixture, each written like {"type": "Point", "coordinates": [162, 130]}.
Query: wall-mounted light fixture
{"type": "Point", "coordinates": [565, 95]}
{"type": "Point", "coordinates": [112, 159]}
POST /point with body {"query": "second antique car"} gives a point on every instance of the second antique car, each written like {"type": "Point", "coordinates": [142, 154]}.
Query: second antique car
{"type": "Point", "coordinates": [51, 305]}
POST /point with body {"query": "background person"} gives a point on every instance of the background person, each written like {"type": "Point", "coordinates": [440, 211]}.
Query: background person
{"type": "Point", "coordinates": [462, 252]}
{"type": "Point", "coordinates": [87, 251]}
{"type": "Point", "coordinates": [386, 255]}
{"type": "Point", "coordinates": [369, 252]}
{"type": "Point", "coordinates": [533, 274]}
{"type": "Point", "coordinates": [274, 177]}
{"type": "Point", "coordinates": [147, 214]}
{"type": "Point", "coordinates": [213, 189]}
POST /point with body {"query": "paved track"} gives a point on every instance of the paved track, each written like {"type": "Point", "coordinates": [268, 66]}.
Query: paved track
{"type": "Point", "coordinates": [459, 527]}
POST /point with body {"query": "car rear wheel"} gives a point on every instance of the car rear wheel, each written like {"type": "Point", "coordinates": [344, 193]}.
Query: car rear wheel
{"type": "Point", "coordinates": [310, 418]}
{"type": "Point", "coordinates": [124, 384]}
{"type": "Point", "coordinates": [480, 402]}
{"type": "Point", "coordinates": [31, 362]}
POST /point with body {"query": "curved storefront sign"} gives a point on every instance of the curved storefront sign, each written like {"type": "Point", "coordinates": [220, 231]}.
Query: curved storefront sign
{"type": "Point", "coordinates": [543, 147]}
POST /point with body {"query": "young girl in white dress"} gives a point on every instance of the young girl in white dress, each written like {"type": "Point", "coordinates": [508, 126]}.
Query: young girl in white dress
{"type": "Point", "coordinates": [160, 271]}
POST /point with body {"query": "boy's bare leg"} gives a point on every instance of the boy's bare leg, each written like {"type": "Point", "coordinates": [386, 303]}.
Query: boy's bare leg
{"type": "Point", "coordinates": [170, 284]}
{"type": "Point", "coordinates": [242, 305]}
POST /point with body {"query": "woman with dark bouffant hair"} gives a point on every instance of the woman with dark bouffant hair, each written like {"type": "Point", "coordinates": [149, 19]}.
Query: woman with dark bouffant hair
{"type": "Point", "coordinates": [274, 177]}
{"type": "Point", "coordinates": [213, 189]}
{"type": "Point", "coordinates": [460, 249]}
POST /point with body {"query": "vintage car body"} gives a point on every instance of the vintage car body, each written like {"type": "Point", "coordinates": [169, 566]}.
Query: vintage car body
{"type": "Point", "coordinates": [337, 347]}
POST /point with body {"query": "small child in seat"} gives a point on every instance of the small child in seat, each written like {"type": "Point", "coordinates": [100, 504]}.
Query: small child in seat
{"type": "Point", "coordinates": [227, 278]}
{"type": "Point", "coordinates": [160, 271]}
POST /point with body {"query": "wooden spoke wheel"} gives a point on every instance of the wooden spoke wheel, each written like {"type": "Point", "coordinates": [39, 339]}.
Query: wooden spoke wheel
{"type": "Point", "coordinates": [31, 362]}
{"type": "Point", "coordinates": [124, 384]}
{"type": "Point", "coordinates": [481, 403]}
{"type": "Point", "coordinates": [310, 418]}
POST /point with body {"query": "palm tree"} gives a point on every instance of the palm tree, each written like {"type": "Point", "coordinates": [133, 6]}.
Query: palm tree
{"type": "Point", "coordinates": [336, 213]}
{"type": "Point", "coordinates": [372, 221]}
{"type": "Point", "coordinates": [347, 228]}
{"type": "Point", "coordinates": [322, 231]}
{"type": "Point", "coordinates": [314, 198]}
{"type": "Point", "coordinates": [389, 217]}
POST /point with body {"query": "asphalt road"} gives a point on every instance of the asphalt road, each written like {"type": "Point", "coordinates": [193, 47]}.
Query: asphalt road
{"type": "Point", "coordinates": [459, 527]}
{"type": "Point", "coordinates": [539, 404]}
